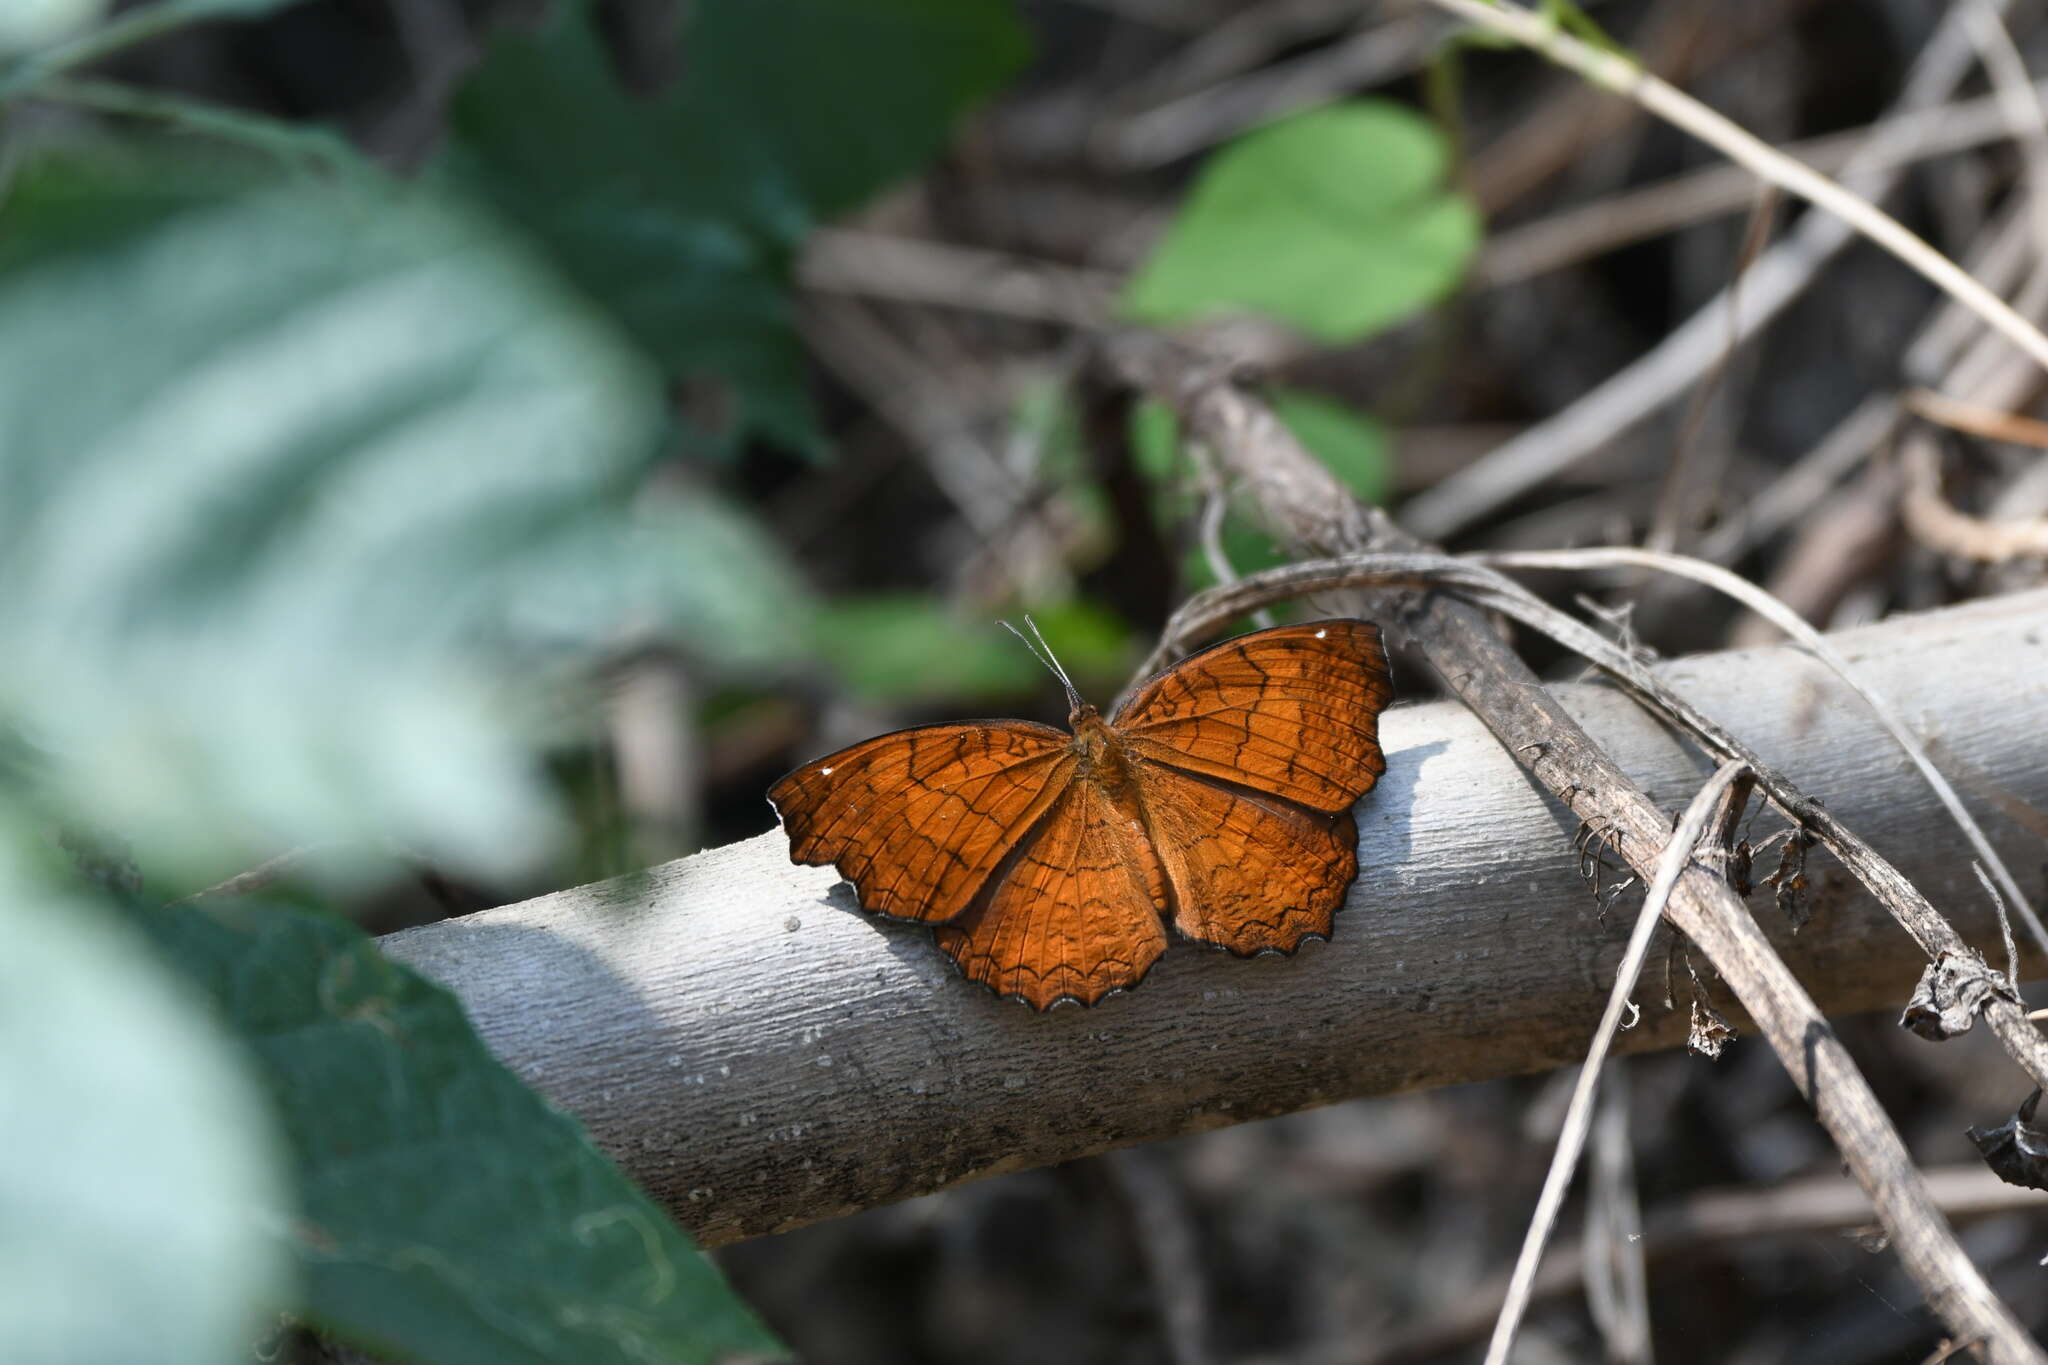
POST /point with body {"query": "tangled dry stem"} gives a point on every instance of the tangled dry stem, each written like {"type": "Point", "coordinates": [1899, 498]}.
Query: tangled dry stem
{"type": "Point", "coordinates": [1315, 515]}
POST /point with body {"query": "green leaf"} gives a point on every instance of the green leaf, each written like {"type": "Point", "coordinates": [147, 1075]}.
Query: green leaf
{"type": "Point", "coordinates": [681, 214]}
{"type": "Point", "coordinates": [293, 484]}
{"type": "Point", "coordinates": [447, 1212]}
{"type": "Point", "coordinates": [907, 648]}
{"type": "Point", "coordinates": [143, 1186]}
{"type": "Point", "coordinates": [1335, 222]}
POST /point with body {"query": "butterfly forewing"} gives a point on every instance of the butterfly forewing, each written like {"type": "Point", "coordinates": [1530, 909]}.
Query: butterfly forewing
{"type": "Point", "coordinates": [1292, 712]}
{"type": "Point", "coordinates": [918, 819]}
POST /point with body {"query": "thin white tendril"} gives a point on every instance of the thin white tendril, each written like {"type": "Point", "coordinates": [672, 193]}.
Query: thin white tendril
{"type": "Point", "coordinates": [1043, 653]}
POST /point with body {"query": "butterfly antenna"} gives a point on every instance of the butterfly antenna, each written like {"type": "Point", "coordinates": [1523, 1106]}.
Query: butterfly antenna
{"type": "Point", "coordinates": [1043, 653]}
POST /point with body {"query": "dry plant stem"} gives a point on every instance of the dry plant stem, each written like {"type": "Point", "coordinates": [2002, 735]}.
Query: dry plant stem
{"type": "Point", "coordinates": [913, 270]}
{"type": "Point", "coordinates": [2012, 947]}
{"type": "Point", "coordinates": [1678, 852]}
{"type": "Point", "coordinates": [1976, 419]}
{"type": "Point", "coordinates": [946, 274]}
{"type": "Point", "coordinates": [1775, 612]}
{"type": "Point", "coordinates": [1694, 464]}
{"type": "Point", "coordinates": [1936, 523]}
{"type": "Point", "coordinates": [1191, 123]}
{"type": "Point", "coordinates": [1303, 503]}
{"type": "Point", "coordinates": [1169, 1245]}
{"type": "Point", "coordinates": [2019, 100]}
{"type": "Point", "coordinates": [1707, 1219]}
{"type": "Point", "coordinates": [1683, 111]}
{"type": "Point", "coordinates": [1665, 372]}
{"type": "Point", "coordinates": [1585, 230]}
{"type": "Point", "coordinates": [1244, 41]}
{"type": "Point", "coordinates": [1208, 611]}
{"type": "Point", "coordinates": [915, 397]}
{"type": "Point", "coordinates": [1617, 1268]}
{"type": "Point", "coordinates": [1792, 496]}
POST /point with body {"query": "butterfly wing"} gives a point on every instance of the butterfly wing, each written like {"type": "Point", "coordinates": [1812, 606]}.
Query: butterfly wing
{"type": "Point", "coordinates": [1249, 873]}
{"type": "Point", "coordinates": [1076, 912]}
{"type": "Point", "coordinates": [1248, 757]}
{"type": "Point", "coordinates": [1291, 712]}
{"type": "Point", "coordinates": [918, 819]}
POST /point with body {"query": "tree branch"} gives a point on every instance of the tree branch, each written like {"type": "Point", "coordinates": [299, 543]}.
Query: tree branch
{"type": "Point", "coordinates": [759, 1055]}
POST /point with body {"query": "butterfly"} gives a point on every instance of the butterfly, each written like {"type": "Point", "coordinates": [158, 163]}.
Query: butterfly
{"type": "Point", "coordinates": [1217, 798]}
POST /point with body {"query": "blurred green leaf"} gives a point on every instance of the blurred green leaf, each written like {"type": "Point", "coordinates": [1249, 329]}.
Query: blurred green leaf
{"type": "Point", "coordinates": [1582, 26]}
{"type": "Point", "coordinates": [1348, 443]}
{"type": "Point", "coordinates": [447, 1212]}
{"type": "Point", "coordinates": [30, 24]}
{"type": "Point", "coordinates": [692, 565]}
{"type": "Point", "coordinates": [681, 214]}
{"type": "Point", "coordinates": [1155, 442]}
{"type": "Point", "coordinates": [1335, 222]}
{"type": "Point", "coordinates": [193, 11]}
{"type": "Point", "coordinates": [143, 1188]}
{"type": "Point", "coordinates": [289, 482]}
{"type": "Point", "coordinates": [296, 146]}
{"type": "Point", "coordinates": [908, 648]}
{"type": "Point", "coordinates": [27, 24]}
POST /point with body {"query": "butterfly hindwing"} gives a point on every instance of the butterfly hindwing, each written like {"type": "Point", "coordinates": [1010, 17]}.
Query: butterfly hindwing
{"type": "Point", "coordinates": [1248, 873]}
{"type": "Point", "coordinates": [1074, 915]}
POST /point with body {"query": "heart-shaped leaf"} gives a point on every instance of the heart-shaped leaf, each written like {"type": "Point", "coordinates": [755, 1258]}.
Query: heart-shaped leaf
{"type": "Point", "coordinates": [1335, 222]}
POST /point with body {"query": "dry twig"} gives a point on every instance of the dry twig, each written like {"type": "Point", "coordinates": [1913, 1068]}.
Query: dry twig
{"type": "Point", "coordinates": [1937, 938]}
{"type": "Point", "coordinates": [1668, 369]}
{"type": "Point", "coordinates": [1308, 508]}
{"type": "Point", "coordinates": [1704, 1220]}
{"type": "Point", "coordinates": [1729, 785]}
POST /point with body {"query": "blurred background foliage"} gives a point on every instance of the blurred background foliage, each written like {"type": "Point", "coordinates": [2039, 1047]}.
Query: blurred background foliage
{"type": "Point", "coordinates": [454, 449]}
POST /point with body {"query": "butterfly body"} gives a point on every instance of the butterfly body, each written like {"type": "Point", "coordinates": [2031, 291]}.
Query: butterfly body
{"type": "Point", "coordinates": [1099, 749]}
{"type": "Point", "coordinates": [1217, 798]}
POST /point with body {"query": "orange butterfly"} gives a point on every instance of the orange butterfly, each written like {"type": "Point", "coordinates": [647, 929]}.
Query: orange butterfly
{"type": "Point", "coordinates": [1218, 797]}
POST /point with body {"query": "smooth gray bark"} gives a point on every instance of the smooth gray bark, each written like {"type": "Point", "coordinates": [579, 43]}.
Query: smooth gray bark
{"type": "Point", "coordinates": [760, 1055]}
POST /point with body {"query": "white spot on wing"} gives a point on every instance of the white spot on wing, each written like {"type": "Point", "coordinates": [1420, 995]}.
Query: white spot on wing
{"type": "Point", "coordinates": [1319, 635]}
{"type": "Point", "coordinates": [827, 772]}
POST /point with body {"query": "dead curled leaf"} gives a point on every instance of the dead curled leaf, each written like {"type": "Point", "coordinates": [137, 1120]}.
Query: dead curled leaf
{"type": "Point", "coordinates": [1789, 884]}
{"type": "Point", "coordinates": [1953, 989]}
{"type": "Point", "coordinates": [2016, 1150]}
{"type": "Point", "coordinates": [1709, 1032]}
